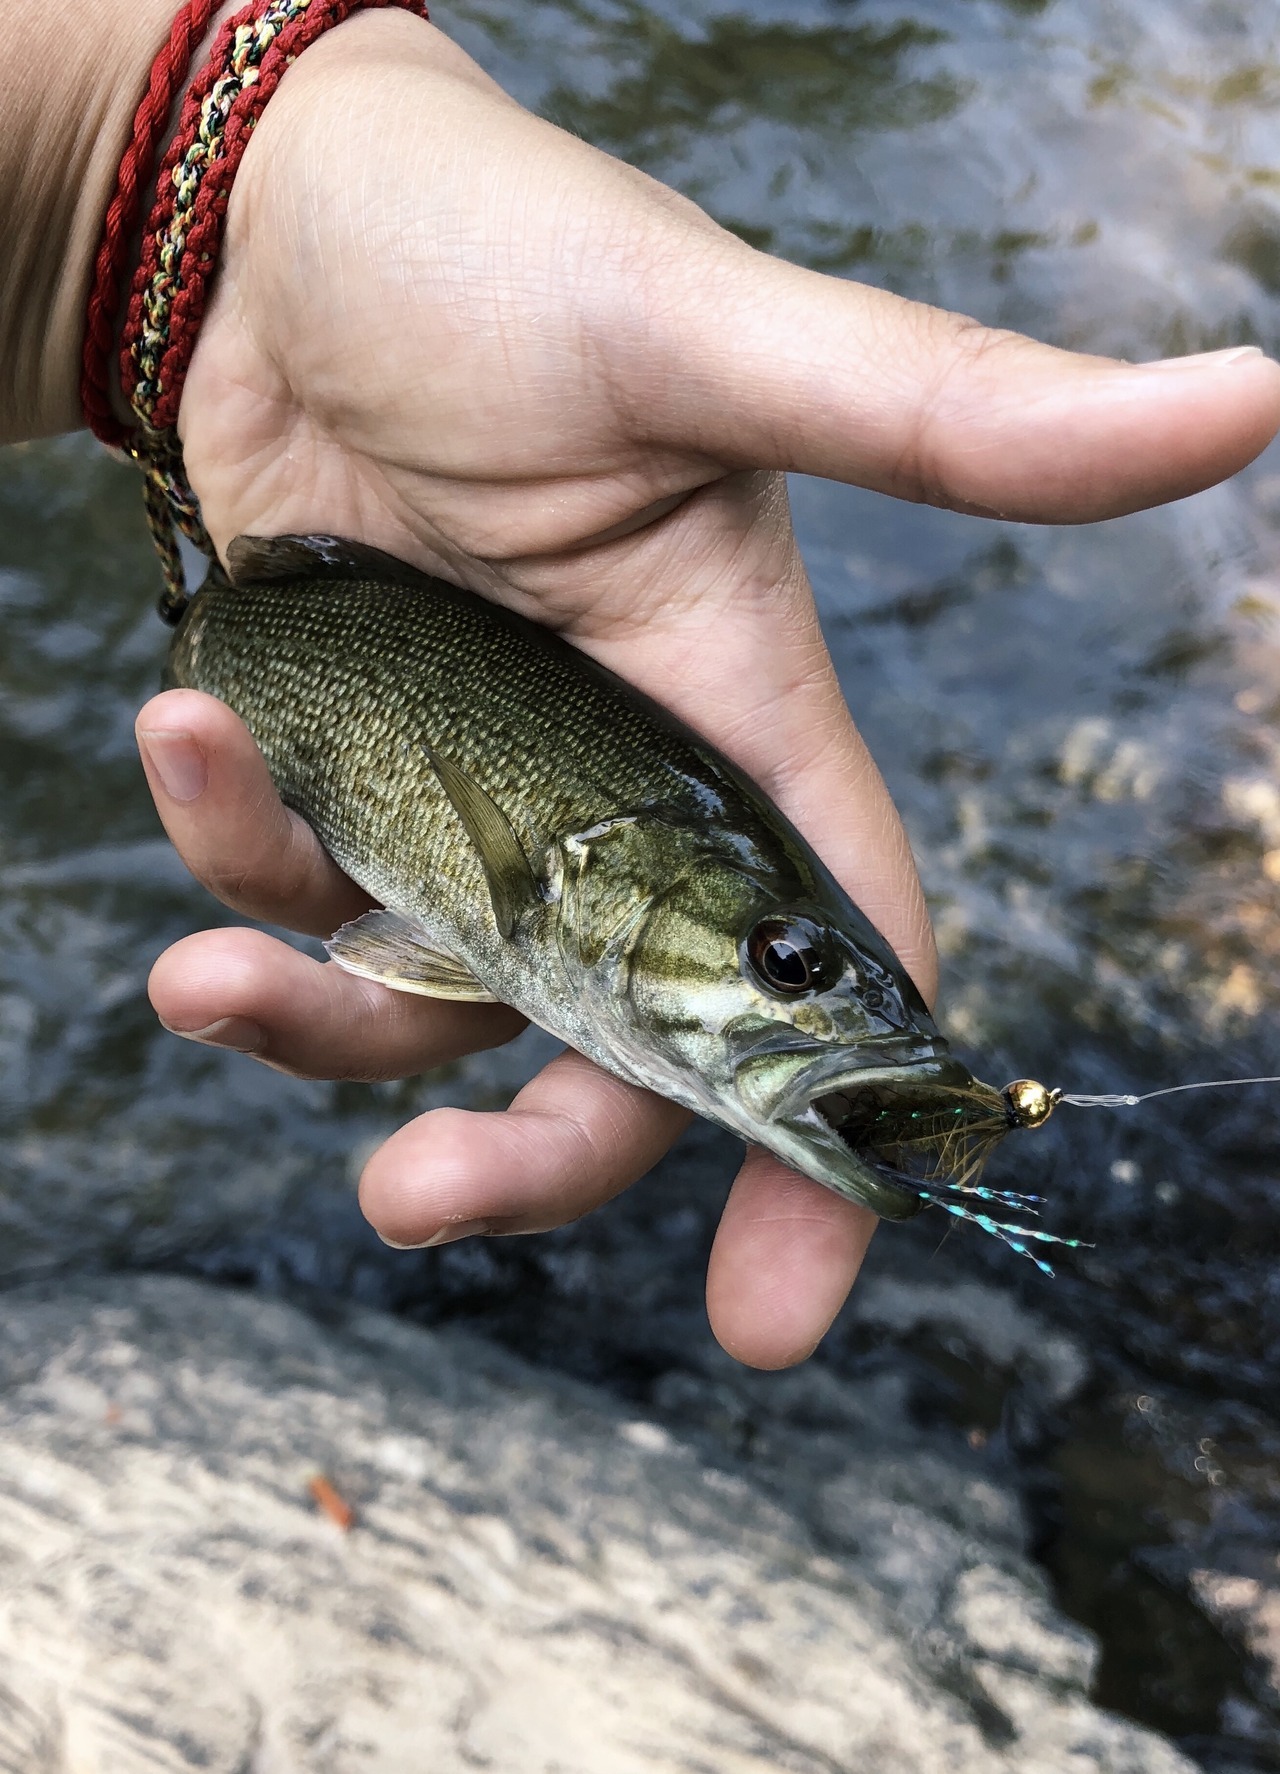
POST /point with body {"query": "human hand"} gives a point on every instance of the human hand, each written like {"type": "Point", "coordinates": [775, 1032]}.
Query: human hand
{"type": "Point", "coordinates": [444, 327]}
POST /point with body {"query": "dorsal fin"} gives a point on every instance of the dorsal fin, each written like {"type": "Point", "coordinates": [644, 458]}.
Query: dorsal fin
{"type": "Point", "coordinates": [256, 560]}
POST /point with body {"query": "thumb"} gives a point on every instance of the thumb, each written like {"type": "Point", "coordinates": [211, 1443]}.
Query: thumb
{"type": "Point", "coordinates": [804, 372]}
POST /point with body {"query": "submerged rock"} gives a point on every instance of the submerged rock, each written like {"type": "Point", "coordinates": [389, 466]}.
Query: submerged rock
{"type": "Point", "coordinates": [535, 1581]}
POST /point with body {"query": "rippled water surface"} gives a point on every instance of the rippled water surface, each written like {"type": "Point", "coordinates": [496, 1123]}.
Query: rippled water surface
{"type": "Point", "coordinates": [1080, 726]}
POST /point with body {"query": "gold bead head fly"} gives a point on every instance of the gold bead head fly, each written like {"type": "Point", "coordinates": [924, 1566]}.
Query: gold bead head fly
{"type": "Point", "coordinates": [1029, 1104]}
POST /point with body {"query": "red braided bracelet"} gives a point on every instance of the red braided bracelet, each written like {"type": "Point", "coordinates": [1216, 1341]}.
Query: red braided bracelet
{"type": "Point", "coordinates": [168, 73]}
{"type": "Point", "coordinates": [180, 243]}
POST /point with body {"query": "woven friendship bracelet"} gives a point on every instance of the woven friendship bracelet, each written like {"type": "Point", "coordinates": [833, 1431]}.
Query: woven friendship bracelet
{"type": "Point", "coordinates": [168, 76]}
{"type": "Point", "coordinates": [180, 243]}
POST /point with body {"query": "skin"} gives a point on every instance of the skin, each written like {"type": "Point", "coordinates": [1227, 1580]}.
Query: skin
{"type": "Point", "coordinates": [444, 327]}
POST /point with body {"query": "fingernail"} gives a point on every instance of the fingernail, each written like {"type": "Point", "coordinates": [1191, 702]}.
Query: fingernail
{"type": "Point", "coordinates": [234, 1032]}
{"type": "Point", "coordinates": [1203, 359]}
{"type": "Point", "coordinates": [446, 1235]}
{"type": "Point", "coordinates": [468, 1229]}
{"type": "Point", "coordinates": [178, 761]}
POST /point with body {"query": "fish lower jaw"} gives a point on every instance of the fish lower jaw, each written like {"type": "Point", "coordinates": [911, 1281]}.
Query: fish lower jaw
{"type": "Point", "coordinates": [813, 1145]}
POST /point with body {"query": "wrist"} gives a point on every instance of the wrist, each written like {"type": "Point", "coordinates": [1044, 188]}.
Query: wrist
{"type": "Point", "coordinates": [71, 79]}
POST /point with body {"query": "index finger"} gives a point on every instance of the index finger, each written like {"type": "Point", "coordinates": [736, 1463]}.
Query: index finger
{"type": "Point", "coordinates": [219, 805]}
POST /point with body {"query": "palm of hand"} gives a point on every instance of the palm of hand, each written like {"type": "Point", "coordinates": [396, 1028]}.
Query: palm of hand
{"type": "Point", "coordinates": [446, 328]}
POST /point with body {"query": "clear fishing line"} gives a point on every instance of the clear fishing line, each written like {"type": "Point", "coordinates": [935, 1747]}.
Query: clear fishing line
{"type": "Point", "coordinates": [1127, 1100]}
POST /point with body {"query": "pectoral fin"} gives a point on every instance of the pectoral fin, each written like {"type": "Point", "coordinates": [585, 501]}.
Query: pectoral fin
{"type": "Point", "coordinates": [386, 947]}
{"type": "Point", "coordinates": [512, 887]}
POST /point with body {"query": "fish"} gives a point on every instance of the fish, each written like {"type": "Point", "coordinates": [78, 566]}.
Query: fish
{"type": "Point", "coordinates": [536, 832]}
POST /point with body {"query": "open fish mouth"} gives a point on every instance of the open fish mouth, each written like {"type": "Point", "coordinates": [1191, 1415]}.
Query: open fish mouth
{"type": "Point", "coordinates": [835, 1113]}
{"type": "Point", "coordinates": [786, 1080]}
{"type": "Point", "coordinates": [839, 1115]}
{"type": "Point", "coordinates": [919, 1134]}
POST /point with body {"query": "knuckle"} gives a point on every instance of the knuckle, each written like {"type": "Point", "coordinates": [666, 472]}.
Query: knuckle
{"type": "Point", "coordinates": [961, 354]}
{"type": "Point", "coordinates": [271, 881]}
{"type": "Point", "coordinates": [251, 890]}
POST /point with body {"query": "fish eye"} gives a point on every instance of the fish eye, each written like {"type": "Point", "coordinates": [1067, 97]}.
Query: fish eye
{"type": "Point", "coordinates": [873, 997]}
{"type": "Point", "coordinates": [785, 955]}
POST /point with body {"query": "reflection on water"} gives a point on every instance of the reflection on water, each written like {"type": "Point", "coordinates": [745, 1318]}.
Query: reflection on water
{"type": "Point", "coordinates": [1081, 727]}
{"type": "Point", "coordinates": [669, 87]}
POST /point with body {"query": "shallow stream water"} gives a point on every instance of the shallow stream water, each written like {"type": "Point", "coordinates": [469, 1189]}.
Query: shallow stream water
{"type": "Point", "coordinates": [1082, 728]}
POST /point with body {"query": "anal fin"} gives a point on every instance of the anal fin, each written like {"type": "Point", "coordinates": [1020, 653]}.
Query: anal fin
{"type": "Point", "coordinates": [384, 946]}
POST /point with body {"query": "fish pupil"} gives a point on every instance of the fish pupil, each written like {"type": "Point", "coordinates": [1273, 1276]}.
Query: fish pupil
{"type": "Point", "coordinates": [787, 966]}
{"type": "Point", "coordinates": [785, 956]}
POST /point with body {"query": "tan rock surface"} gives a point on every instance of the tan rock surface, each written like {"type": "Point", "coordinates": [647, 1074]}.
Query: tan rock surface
{"type": "Point", "coordinates": [535, 1584]}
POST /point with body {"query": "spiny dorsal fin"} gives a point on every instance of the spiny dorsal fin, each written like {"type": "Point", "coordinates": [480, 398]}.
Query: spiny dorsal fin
{"type": "Point", "coordinates": [257, 560]}
{"type": "Point", "coordinates": [384, 946]}
{"type": "Point", "coordinates": [512, 886]}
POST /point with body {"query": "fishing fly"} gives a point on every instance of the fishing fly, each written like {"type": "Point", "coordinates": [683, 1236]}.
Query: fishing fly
{"type": "Point", "coordinates": [941, 1151]}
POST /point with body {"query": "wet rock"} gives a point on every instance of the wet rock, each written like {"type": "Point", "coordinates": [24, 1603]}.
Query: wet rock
{"type": "Point", "coordinates": [993, 1324]}
{"type": "Point", "coordinates": [1008, 1624]}
{"type": "Point", "coordinates": [1245, 1602]}
{"type": "Point", "coordinates": [535, 1580]}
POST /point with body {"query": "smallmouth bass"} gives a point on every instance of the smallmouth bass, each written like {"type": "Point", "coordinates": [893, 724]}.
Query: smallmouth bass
{"type": "Point", "coordinates": [539, 833]}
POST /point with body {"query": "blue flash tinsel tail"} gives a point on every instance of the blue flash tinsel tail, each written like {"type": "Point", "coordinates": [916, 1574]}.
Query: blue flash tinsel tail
{"type": "Point", "coordinates": [1004, 1230]}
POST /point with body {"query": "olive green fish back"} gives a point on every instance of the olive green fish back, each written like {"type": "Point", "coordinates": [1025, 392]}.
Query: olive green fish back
{"type": "Point", "coordinates": [554, 739]}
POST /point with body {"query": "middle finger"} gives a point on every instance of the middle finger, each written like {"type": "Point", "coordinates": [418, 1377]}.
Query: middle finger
{"type": "Point", "coordinates": [247, 991]}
